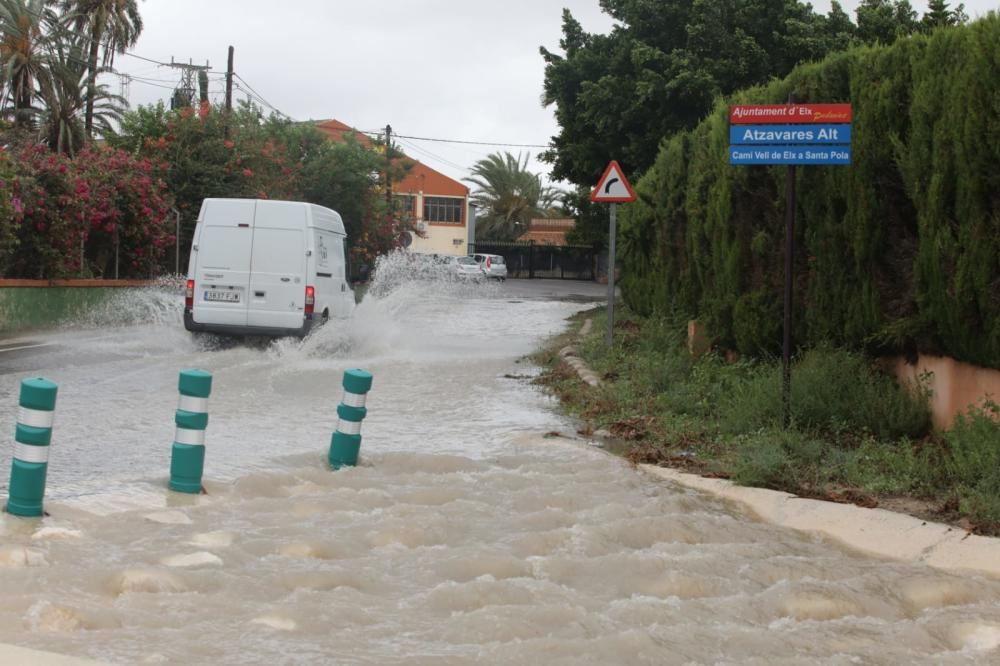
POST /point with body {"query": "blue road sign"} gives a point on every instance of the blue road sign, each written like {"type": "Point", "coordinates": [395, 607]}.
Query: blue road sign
{"type": "Point", "coordinates": [814, 155]}
{"type": "Point", "coordinates": [789, 134]}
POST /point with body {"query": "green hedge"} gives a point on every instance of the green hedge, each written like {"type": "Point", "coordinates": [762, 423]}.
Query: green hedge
{"type": "Point", "coordinates": [899, 252]}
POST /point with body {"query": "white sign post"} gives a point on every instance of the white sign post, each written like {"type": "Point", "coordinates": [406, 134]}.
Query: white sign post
{"type": "Point", "coordinates": [612, 188]}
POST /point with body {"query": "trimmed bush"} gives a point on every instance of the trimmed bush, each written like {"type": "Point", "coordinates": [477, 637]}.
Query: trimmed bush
{"type": "Point", "coordinates": [899, 252]}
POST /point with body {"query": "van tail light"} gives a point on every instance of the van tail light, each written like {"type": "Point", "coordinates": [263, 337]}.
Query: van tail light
{"type": "Point", "coordinates": [310, 300]}
{"type": "Point", "coordinates": [189, 295]}
{"type": "Point", "coordinates": [489, 262]}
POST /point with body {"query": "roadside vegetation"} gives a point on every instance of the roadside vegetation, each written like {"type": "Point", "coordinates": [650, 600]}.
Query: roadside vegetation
{"type": "Point", "coordinates": [856, 435]}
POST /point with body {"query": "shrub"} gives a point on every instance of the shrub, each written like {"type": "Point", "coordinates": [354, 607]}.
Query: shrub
{"type": "Point", "coordinates": [832, 391]}
{"type": "Point", "coordinates": [69, 212]}
{"type": "Point", "coordinates": [893, 467]}
{"type": "Point", "coordinates": [974, 443]}
{"type": "Point", "coordinates": [782, 459]}
{"type": "Point", "coordinates": [897, 252]}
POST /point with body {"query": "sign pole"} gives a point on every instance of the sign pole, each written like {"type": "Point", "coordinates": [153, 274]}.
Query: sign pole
{"type": "Point", "coordinates": [611, 273]}
{"type": "Point", "coordinates": [786, 347]}
{"type": "Point", "coordinates": [612, 188]}
{"type": "Point", "coordinates": [789, 134]}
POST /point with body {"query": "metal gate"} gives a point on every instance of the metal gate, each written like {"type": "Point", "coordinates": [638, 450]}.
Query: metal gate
{"type": "Point", "coordinates": [530, 260]}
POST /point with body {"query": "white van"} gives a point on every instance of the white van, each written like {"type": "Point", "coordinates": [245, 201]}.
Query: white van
{"type": "Point", "coordinates": [262, 267]}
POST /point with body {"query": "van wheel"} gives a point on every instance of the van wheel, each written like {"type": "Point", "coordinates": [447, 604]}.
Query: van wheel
{"type": "Point", "coordinates": [325, 317]}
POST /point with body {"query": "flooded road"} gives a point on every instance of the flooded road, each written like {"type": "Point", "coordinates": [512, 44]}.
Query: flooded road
{"type": "Point", "coordinates": [465, 535]}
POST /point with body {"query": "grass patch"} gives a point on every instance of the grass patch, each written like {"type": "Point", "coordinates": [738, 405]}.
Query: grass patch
{"type": "Point", "coordinates": [856, 434]}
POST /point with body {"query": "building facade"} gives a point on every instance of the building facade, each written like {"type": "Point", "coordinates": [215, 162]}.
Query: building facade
{"type": "Point", "coordinates": [438, 206]}
{"type": "Point", "coordinates": [439, 209]}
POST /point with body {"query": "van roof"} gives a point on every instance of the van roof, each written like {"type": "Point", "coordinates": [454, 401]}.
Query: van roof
{"type": "Point", "coordinates": [316, 216]}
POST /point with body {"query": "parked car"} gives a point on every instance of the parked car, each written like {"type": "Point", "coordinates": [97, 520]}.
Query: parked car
{"type": "Point", "coordinates": [425, 266]}
{"type": "Point", "coordinates": [464, 268]}
{"type": "Point", "coordinates": [493, 265]}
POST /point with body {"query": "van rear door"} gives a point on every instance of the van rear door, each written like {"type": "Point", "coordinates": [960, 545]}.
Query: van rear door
{"type": "Point", "coordinates": [222, 276]}
{"type": "Point", "coordinates": [278, 266]}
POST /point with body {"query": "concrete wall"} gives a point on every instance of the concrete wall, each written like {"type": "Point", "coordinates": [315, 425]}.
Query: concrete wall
{"type": "Point", "coordinates": [27, 304]}
{"type": "Point", "coordinates": [955, 387]}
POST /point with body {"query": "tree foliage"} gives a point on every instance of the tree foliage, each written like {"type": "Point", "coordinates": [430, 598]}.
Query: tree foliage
{"type": "Point", "coordinates": [109, 25]}
{"type": "Point", "coordinates": [898, 252]}
{"type": "Point", "coordinates": [661, 68]}
{"type": "Point", "coordinates": [49, 66]}
{"type": "Point", "coordinates": [271, 158]}
{"type": "Point", "coordinates": [67, 214]}
{"type": "Point", "coordinates": [508, 196]}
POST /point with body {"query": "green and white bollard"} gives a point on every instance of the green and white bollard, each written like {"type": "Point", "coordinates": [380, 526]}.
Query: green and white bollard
{"type": "Point", "coordinates": [187, 460]}
{"type": "Point", "coordinates": [32, 437]}
{"type": "Point", "coordinates": [346, 440]}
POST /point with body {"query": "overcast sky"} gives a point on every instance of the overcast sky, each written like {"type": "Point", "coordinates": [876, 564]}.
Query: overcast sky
{"type": "Point", "coordinates": [461, 70]}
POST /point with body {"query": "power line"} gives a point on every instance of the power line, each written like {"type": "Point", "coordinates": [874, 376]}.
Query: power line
{"type": "Point", "coordinates": [139, 57]}
{"type": "Point", "coordinates": [474, 143]}
{"type": "Point", "coordinates": [438, 158]}
{"type": "Point", "coordinates": [261, 97]}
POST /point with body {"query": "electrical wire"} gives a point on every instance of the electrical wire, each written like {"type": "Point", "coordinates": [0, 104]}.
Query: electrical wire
{"type": "Point", "coordinates": [473, 143]}
{"type": "Point", "coordinates": [261, 99]}
{"type": "Point", "coordinates": [431, 155]}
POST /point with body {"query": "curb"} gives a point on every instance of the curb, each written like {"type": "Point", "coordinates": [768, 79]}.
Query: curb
{"type": "Point", "coordinates": [12, 655]}
{"type": "Point", "coordinates": [876, 532]}
{"type": "Point", "coordinates": [570, 356]}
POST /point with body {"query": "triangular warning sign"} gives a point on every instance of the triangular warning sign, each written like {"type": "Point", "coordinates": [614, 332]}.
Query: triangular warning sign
{"type": "Point", "coordinates": [613, 187]}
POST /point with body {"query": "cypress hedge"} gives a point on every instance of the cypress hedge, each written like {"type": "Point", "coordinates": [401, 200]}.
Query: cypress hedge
{"type": "Point", "coordinates": [897, 253]}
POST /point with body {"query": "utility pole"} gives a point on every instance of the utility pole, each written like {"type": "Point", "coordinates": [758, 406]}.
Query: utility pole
{"type": "Point", "coordinates": [184, 93]}
{"type": "Point", "coordinates": [229, 90]}
{"type": "Point", "coordinates": [388, 164]}
{"type": "Point", "coordinates": [124, 86]}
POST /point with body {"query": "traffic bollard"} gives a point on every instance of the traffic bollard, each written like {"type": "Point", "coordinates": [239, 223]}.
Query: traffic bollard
{"type": "Point", "coordinates": [346, 440]}
{"type": "Point", "coordinates": [187, 459]}
{"type": "Point", "coordinates": [32, 436]}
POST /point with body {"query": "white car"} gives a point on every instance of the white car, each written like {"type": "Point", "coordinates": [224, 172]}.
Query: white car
{"type": "Point", "coordinates": [493, 265]}
{"type": "Point", "coordinates": [463, 268]}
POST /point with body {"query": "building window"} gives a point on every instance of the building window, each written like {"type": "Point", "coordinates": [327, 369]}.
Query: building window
{"type": "Point", "coordinates": [443, 210]}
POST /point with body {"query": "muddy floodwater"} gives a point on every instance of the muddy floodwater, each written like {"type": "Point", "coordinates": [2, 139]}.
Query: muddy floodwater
{"type": "Point", "coordinates": [464, 536]}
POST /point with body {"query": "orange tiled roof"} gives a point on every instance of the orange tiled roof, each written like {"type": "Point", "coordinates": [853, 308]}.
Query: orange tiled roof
{"type": "Point", "coordinates": [422, 178]}
{"type": "Point", "coordinates": [335, 130]}
{"type": "Point", "coordinates": [548, 231]}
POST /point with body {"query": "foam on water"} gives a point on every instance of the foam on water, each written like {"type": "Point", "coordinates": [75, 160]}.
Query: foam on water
{"type": "Point", "coordinates": [416, 554]}
{"type": "Point", "coordinates": [462, 537]}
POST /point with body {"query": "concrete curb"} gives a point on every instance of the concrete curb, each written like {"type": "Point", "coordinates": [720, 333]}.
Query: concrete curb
{"type": "Point", "coordinates": [871, 531]}
{"type": "Point", "coordinates": [11, 655]}
{"type": "Point", "coordinates": [569, 355]}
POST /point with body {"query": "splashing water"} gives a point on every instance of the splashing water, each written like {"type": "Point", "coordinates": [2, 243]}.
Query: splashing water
{"type": "Point", "coordinates": [463, 537]}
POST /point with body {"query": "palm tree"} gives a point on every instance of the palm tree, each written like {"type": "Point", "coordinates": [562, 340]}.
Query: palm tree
{"type": "Point", "coordinates": [25, 26]}
{"type": "Point", "coordinates": [113, 24]}
{"type": "Point", "coordinates": [508, 195]}
{"type": "Point", "coordinates": [65, 90]}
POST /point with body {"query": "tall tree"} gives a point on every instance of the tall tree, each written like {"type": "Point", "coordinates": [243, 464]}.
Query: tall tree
{"type": "Point", "coordinates": [939, 14]}
{"type": "Point", "coordinates": [114, 25]}
{"type": "Point", "coordinates": [62, 89]}
{"type": "Point", "coordinates": [660, 69]}
{"type": "Point", "coordinates": [885, 21]}
{"type": "Point", "coordinates": [508, 195]}
{"type": "Point", "coordinates": [25, 26]}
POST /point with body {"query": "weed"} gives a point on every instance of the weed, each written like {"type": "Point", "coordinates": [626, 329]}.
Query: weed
{"type": "Point", "coordinates": [974, 443]}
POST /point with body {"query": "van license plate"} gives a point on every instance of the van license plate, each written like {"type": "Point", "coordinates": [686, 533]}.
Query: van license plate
{"type": "Point", "coordinates": [224, 296]}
